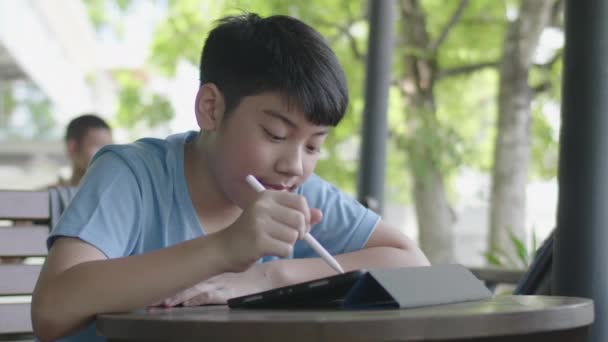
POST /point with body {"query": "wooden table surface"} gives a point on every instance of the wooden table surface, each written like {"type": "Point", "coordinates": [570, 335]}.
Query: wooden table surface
{"type": "Point", "coordinates": [502, 318]}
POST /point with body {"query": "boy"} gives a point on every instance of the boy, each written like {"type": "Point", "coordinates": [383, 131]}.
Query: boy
{"type": "Point", "coordinates": [174, 221]}
{"type": "Point", "coordinates": [85, 135]}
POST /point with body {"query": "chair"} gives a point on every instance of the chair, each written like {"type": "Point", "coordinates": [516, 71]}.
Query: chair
{"type": "Point", "coordinates": [24, 227]}
{"type": "Point", "coordinates": [537, 278]}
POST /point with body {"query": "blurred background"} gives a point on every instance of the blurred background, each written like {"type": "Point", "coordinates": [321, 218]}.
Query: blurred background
{"type": "Point", "coordinates": [474, 105]}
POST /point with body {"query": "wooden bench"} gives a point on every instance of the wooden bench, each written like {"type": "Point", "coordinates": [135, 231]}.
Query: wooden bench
{"type": "Point", "coordinates": [24, 227]}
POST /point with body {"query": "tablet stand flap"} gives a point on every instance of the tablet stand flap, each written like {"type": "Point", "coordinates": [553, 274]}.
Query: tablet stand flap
{"type": "Point", "coordinates": [411, 287]}
{"type": "Point", "coordinates": [368, 293]}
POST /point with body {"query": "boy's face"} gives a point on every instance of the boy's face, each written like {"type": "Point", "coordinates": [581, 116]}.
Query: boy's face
{"type": "Point", "coordinates": [266, 138]}
{"type": "Point", "coordinates": [82, 151]}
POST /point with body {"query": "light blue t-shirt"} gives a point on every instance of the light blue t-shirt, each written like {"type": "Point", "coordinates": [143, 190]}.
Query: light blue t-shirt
{"type": "Point", "coordinates": [134, 199]}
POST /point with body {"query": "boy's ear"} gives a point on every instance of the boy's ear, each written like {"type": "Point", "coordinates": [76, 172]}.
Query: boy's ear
{"type": "Point", "coordinates": [210, 107]}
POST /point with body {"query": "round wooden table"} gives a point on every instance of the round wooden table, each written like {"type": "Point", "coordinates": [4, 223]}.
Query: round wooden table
{"type": "Point", "coordinates": [502, 318]}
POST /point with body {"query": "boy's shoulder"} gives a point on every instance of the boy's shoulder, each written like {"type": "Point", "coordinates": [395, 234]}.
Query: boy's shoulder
{"type": "Point", "coordinates": [315, 183]}
{"type": "Point", "coordinates": [154, 145]}
{"type": "Point", "coordinates": [319, 190]}
{"type": "Point", "coordinates": [321, 193]}
{"type": "Point", "coordinates": [159, 156]}
{"type": "Point", "coordinates": [149, 148]}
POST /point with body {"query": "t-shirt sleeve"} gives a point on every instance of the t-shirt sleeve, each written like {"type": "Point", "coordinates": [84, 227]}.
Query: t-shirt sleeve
{"type": "Point", "coordinates": [346, 224]}
{"type": "Point", "coordinates": [106, 211]}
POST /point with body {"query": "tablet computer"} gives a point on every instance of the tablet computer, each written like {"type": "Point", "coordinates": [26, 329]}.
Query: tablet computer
{"type": "Point", "coordinates": [328, 292]}
{"type": "Point", "coordinates": [405, 287]}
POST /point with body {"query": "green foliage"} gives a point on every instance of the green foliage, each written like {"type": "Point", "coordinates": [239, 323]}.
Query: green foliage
{"type": "Point", "coordinates": [498, 257]}
{"type": "Point", "coordinates": [545, 107]}
{"type": "Point", "coordinates": [469, 118]}
{"type": "Point", "coordinates": [459, 128]}
{"type": "Point", "coordinates": [7, 104]}
{"type": "Point", "coordinates": [544, 152]}
{"type": "Point", "coordinates": [463, 130]}
{"type": "Point", "coordinates": [182, 33]}
{"type": "Point", "coordinates": [33, 103]}
{"type": "Point", "coordinates": [96, 9]}
{"type": "Point", "coordinates": [466, 104]}
{"type": "Point", "coordinates": [100, 14]}
{"type": "Point", "coordinates": [138, 107]}
{"type": "Point", "coordinates": [476, 38]}
{"type": "Point", "coordinates": [40, 111]}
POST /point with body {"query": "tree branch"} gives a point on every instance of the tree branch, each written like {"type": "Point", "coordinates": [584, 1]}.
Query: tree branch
{"type": "Point", "coordinates": [448, 27]}
{"type": "Point", "coordinates": [541, 87]}
{"type": "Point", "coordinates": [482, 21]}
{"type": "Point", "coordinates": [344, 30]}
{"type": "Point", "coordinates": [557, 14]}
{"type": "Point", "coordinates": [465, 69]}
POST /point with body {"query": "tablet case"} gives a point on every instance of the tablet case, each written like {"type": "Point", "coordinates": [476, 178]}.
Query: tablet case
{"type": "Point", "coordinates": [407, 287]}
{"type": "Point", "coordinates": [415, 286]}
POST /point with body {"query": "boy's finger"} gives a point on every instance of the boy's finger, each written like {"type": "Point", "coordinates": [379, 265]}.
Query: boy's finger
{"type": "Point", "coordinates": [201, 299]}
{"type": "Point", "coordinates": [168, 302]}
{"type": "Point", "coordinates": [157, 303]}
{"type": "Point", "coordinates": [316, 216]}
{"type": "Point", "coordinates": [212, 297]}
{"type": "Point", "coordinates": [277, 247]}
{"type": "Point", "coordinates": [294, 201]}
{"type": "Point", "coordinates": [284, 233]}
{"type": "Point", "coordinates": [292, 218]}
{"type": "Point", "coordinates": [181, 297]}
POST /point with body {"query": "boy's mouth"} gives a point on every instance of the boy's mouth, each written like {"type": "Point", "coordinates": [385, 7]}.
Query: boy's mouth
{"type": "Point", "coordinates": [279, 187]}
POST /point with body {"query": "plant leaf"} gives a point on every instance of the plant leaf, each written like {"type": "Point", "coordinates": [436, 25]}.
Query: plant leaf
{"type": "Point", "coordinates": [493, 259]}
{"type": "Point", "coordinates": [520, 248]}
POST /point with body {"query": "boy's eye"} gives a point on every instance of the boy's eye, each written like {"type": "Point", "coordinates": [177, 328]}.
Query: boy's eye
{"type": "Point", "coordinates": [313, 149]}
{"type": "Point", "coordinates": [272, 136]}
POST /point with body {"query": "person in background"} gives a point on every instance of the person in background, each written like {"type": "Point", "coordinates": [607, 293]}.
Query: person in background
{"type": "Point", "coordinates": [85, 135]}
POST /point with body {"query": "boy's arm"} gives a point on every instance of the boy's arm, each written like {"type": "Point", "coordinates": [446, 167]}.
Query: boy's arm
{"type": "Point", "coordinates": [386, 247]}
{"type": "Point", "coordinates": [80, 280]}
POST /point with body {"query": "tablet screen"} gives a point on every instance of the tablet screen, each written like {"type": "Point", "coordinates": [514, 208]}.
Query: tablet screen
{"type": "Point", "coordinates": [319, 293]}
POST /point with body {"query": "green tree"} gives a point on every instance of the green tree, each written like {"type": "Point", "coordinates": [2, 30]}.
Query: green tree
{"type": "Point", "coordinates": [139, 107]}
{"type": "Point", "coordinates": [447, 99]}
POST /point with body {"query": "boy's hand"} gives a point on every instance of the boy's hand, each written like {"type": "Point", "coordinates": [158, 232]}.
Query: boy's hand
{"type": "Point", "coordinates": [219, 289]}
{"type": "Point", "coordinates": [269, 226]}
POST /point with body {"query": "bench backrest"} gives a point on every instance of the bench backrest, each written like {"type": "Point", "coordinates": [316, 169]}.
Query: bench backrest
{"type": "Point", "coordinates": [24, 227]}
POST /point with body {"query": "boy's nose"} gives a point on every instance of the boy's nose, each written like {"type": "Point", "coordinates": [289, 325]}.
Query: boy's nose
{"type": "Point", "coordinates": [290, 162]}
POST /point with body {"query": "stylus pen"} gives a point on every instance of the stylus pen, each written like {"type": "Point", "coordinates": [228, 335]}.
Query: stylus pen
{"type": "Point", "coordinates": [312, 242]}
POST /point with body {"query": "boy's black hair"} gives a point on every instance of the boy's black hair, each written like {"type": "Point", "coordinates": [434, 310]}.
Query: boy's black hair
{"type": "Point", "coordinates": [80, 126]}
{"type": "Point", "coordinates": [247, 55]}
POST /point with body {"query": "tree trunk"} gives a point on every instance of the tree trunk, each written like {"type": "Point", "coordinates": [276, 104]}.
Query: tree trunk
{"type": "Point", "coordinates": [512, 145]}
{"type": "Point", "coordinates": [434, 215]}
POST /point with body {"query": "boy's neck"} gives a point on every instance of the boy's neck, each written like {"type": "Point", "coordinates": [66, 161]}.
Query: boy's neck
{"type": "Point", "coordinates": [214, 210]}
